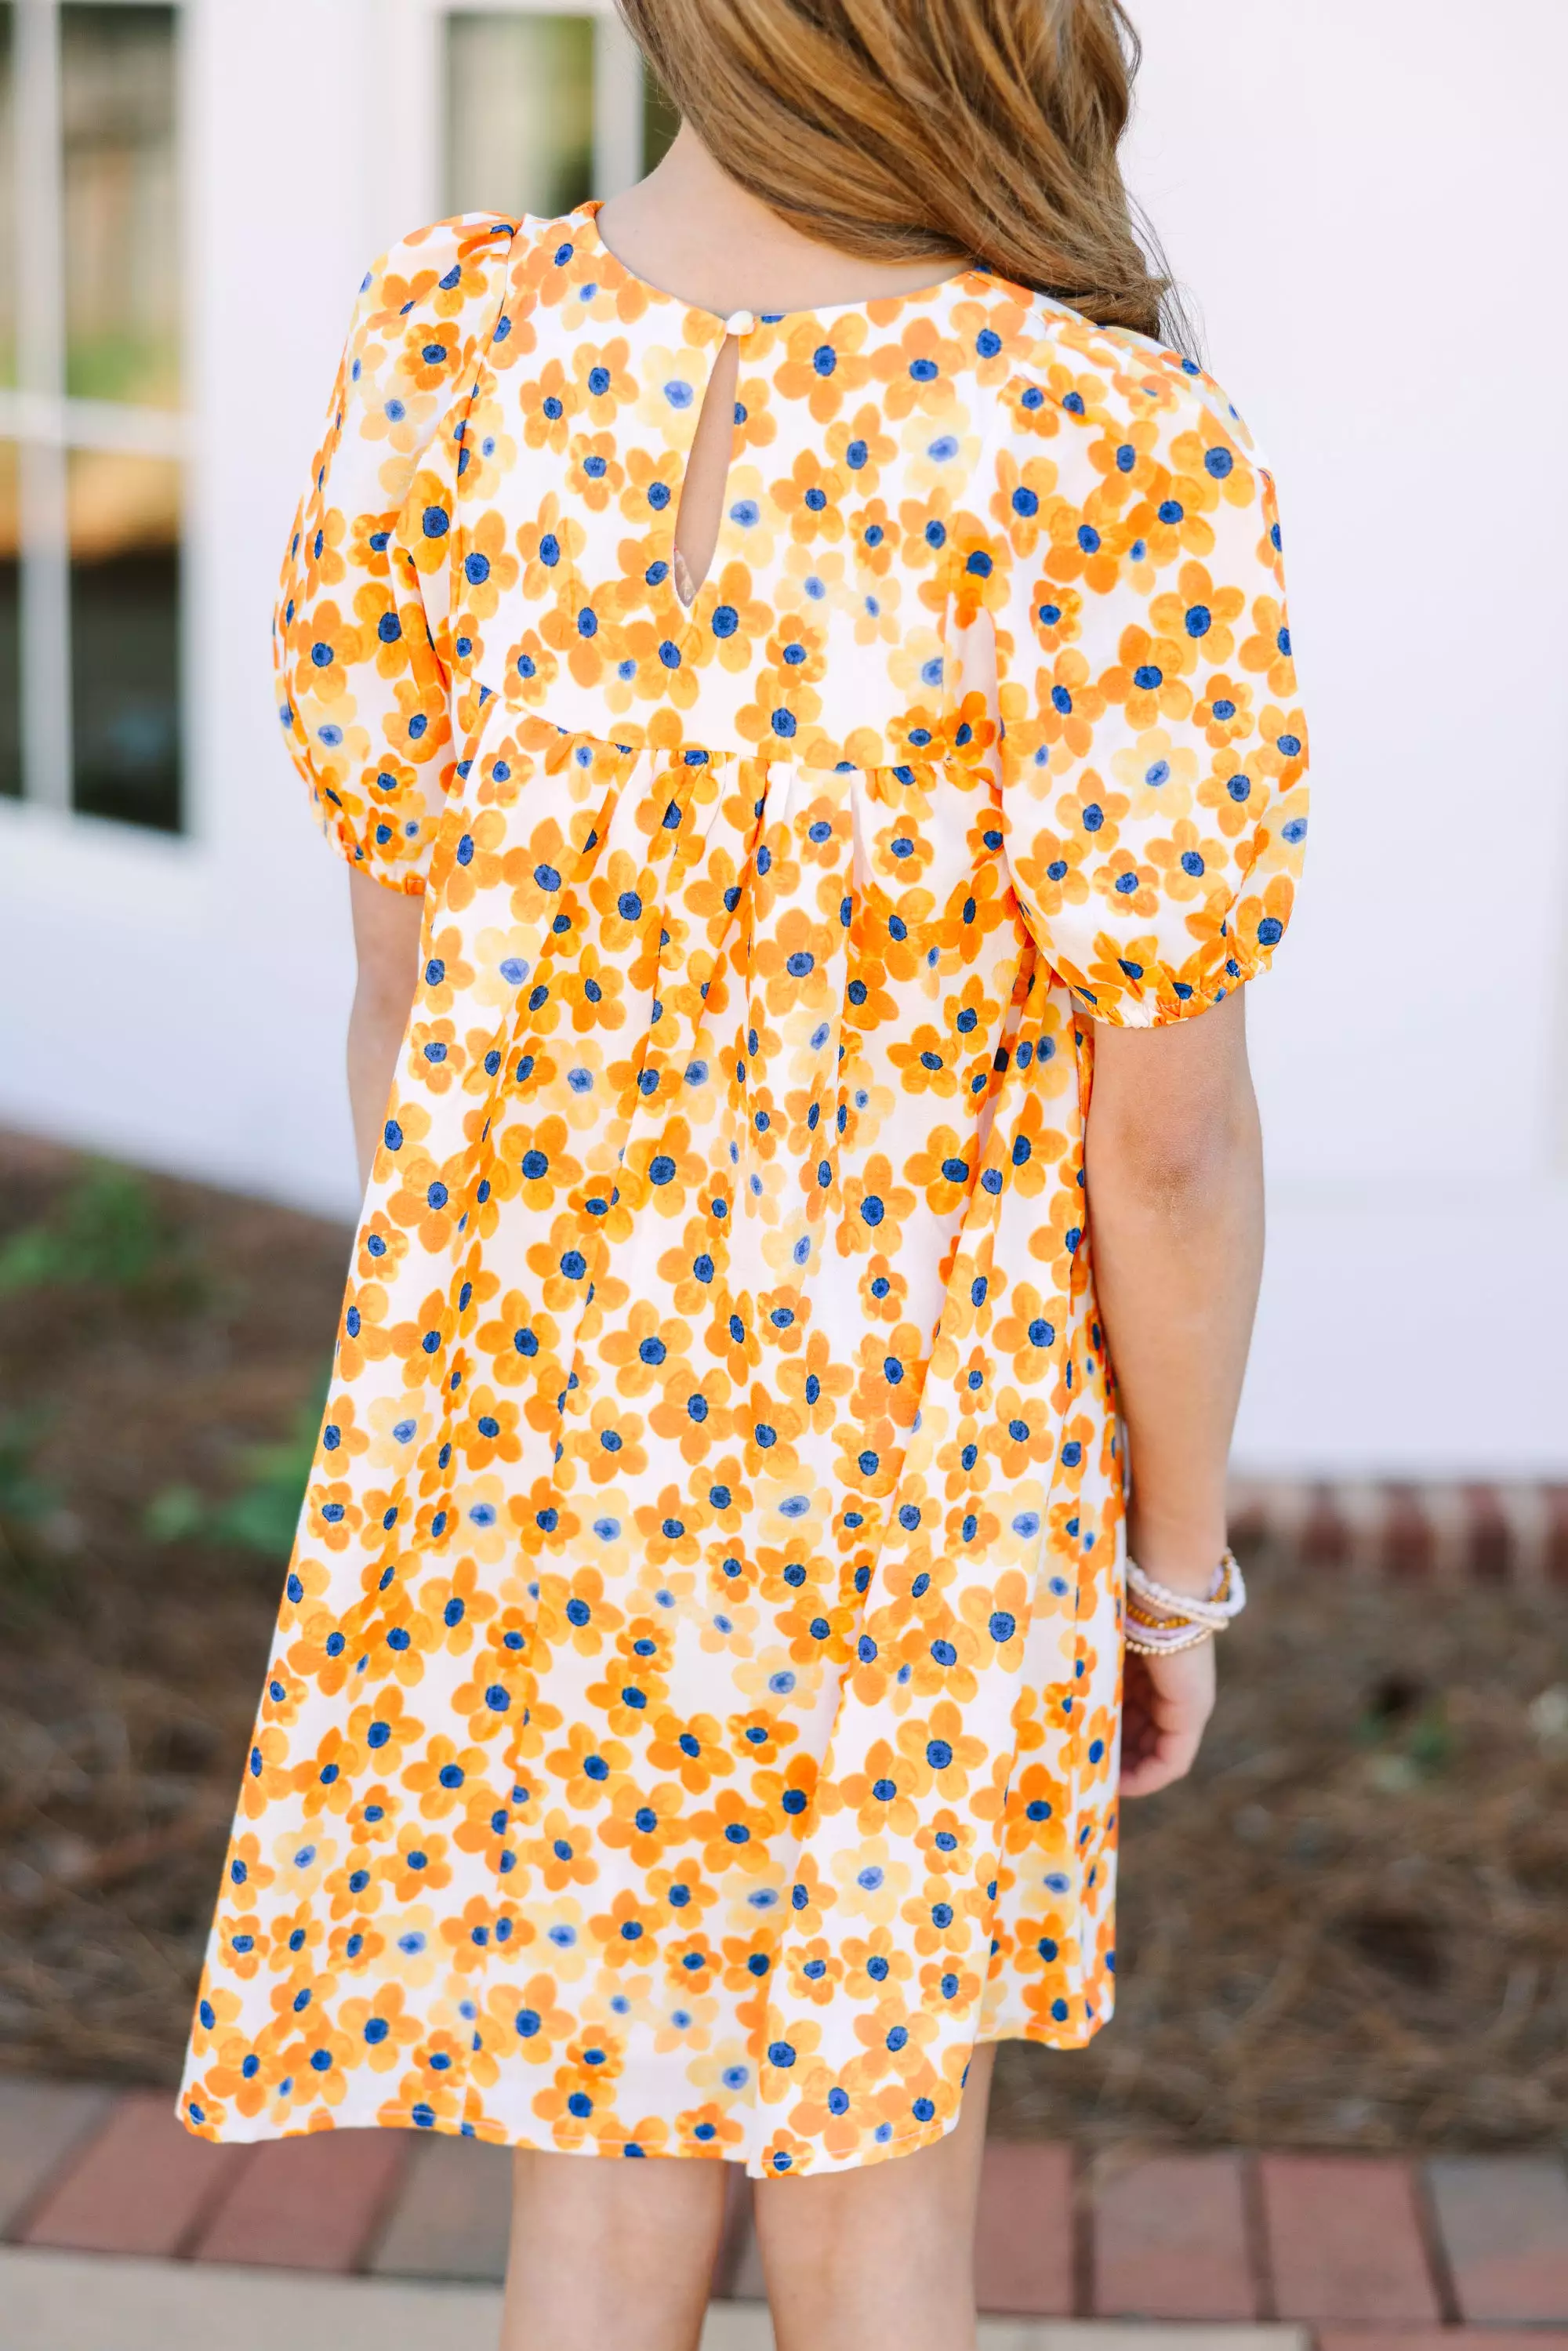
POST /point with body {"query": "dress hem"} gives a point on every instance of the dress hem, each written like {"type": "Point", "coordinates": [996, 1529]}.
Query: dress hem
{"type": "Point", "coordinates": [689, 2150]}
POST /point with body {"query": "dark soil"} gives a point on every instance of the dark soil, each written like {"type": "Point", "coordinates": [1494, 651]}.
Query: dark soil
{"type": "Point", "coordinates": [1349, 1929]}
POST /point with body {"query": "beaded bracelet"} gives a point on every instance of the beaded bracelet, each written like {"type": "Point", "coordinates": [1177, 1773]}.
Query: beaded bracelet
{"type": "Point", "coordinates": [1185, 1618]}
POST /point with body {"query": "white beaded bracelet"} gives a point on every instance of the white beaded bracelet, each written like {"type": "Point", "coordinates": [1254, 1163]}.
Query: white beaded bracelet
{"type": "Point", "coordinates": [1186, 1619]}
{"type": "Point", "coordinates": [1227, 1598]}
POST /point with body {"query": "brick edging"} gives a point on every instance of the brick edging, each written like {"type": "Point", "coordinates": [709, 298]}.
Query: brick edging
{"type": "Point", "coordinates": [1355, 2244]}
{"type": "Point", "coordinates": [1479, 1532]}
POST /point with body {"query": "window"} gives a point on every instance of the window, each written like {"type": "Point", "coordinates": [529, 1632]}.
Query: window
{"type": "Point", "coordinates": [10, 578]}
{"type": "Point", "coordinates": [91, 429]}
{"type": "Point", "coordinates": [519, 112]}
{"type": "Point", "coordinates": [545, 107]}
{"type": "Point", "coordinates": [10, 630]}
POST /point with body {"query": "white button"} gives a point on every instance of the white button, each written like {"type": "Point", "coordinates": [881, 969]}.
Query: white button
{"type": "Point", "coordinates": [739, 322]}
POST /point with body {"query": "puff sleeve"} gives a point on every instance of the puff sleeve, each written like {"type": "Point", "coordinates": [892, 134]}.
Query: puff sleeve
{"type": "Point", "coordinates": [362, 692]}
{"type": "Point", "coordinates": [1153, 754]}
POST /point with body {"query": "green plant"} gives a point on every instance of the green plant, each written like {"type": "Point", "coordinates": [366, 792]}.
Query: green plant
{"type": "Point", "coordinates": [262, 1513]}
{"type": "Point", "coordinates": [1407, 1725]}
{"type": "Point", "coordinates": [25, 1497]}
{"type": "Point", "coordinates": [105, 1232]}
{"type": "Point", "coordinates": [27, 1505]}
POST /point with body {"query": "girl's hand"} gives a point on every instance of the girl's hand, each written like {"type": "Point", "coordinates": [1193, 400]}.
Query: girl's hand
{"type": "Point", "coordinates": [1165, 1704]}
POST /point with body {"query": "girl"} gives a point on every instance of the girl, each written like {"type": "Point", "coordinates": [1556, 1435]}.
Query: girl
{"type": "Point", "coordinates": [797, 666]}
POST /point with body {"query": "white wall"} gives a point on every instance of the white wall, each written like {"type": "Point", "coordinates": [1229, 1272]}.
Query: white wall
{"type": "Point", "coordinates": [1368, 198]}
{"type": "Point", "coordinates": [1367, 201]}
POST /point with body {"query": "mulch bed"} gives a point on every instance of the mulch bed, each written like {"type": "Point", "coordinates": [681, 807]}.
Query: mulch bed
{"type": "Point", "coordinates": [1349, 1929]}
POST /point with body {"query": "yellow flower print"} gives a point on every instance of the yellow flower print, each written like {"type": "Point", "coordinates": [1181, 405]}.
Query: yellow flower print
{"type": "Point", "coordinates": [670, 392]}
{"type": "Point", "coordinates": [369, 537]}
{"type": "Point", "coordinates": [1214, 459]}
{"type": "Point", "coordinates": [528, 2020]}
{"type": "Point", "coordinates": [689, 2024]}
{"type": "Point", "coordinates": [1054, 1243]}
{"type": "Point", "coordinates": [491, 1432]}
{"type": "Point", "coordinates": [321, 555]}
{"type": "Point", "coordinates": [729, 1629]}
{"type": "Point", "coordinates": [603, 379]}
{"type": "Point", "coordinates": [405, 419]}
{"type": "Point", "coordinates": [429, 519]}
{"type": "Point", "coordinates": [595, 474]}
{"type": "Point", "coordinates": [1126, 456]}
{"type": "Point", "coordinates": [644, 1823]}
{"type": "Point", "coordinates": [585, 1763]}
{"type": "Point", "coordinates": [1038, 1808]}
{"type": "Point", "coordinates": [940, 450]}
{"type": "Point", "coordinates": [517, 1337]}
{"type": "Point", "coordinates": [823, 368]}
{"type": "Point", "coordinates": [875, 1965]}
{"type": "Point", "coordinates": [547, 548]}
{"type": "Point", "coordinates": [919, 370]}
{"type": "Point", "coordinates": [881, 1796]}
{"type": "Point", "coordinates": [1267, 653]}
{"type": "Point", "coordinates": [578, 1611]}
{"type": "Point", "coordinates": [708, 2130]}
{"type": "Point", "coordinates": [1156, 774]}
{"type": "Point", "coordinates": [947, 1842]}
{"type": "Point", "coordinates": [418, 727]}
{"type": "Point", "coordinates": [324, 654]}
{"type": "Point", "coordinates": [669, 1540]}
{"type": "Point", "coordinates": [815, 1971]}
{"type": "Point", "coordinates": [871, 1881]}
{"type": "Point", "coordinates": [537, 1165]}
{"type": "Point", "coordinates": [628, 1932]}
{"type": "Point", "coordinates": [421, 1867]}
{"type": "Point", "coordinates": [430, 355]}
{"type": "Point", "coordinates": [1027, 500]}
{"type": "Point", "coordinates": [1170, 523]}
{"type": "Point", "coordinates": [549, 408]}
{"type": "Point", "coordinates": [474, 1934]}
{"type": "Point", "coordinates": [1225, 711]}
{"type": "Point", "coordinates": [1146, 680]}
{"type": "Point", "coordinates": [861, 447]}
{"type": "Point", "coordinates": [759, 1736]}
{"type": "Point", "coordinates": [397, 294]}
{"type": "Point", "coordinates": [1283, 752]}
{"type": "Point", "coordinates": [1198, 618]}
{"type": "Point", "coordinates": [561, 1855]}
{"type": "Point", "coordinates": [936, 1752]}
{"type": "Point", "coordinates": [878, 537]}
{"type": "Point", "coordinates": [488, 571]}
{"type": "Point", "coordinates": [811, 498]}
{"type": "Point", "coordinates": [733, 1833]}
{"type": "Point", "coordinates": [1187, 862]}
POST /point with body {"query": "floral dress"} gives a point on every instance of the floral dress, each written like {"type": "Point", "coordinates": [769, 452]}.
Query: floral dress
{"type": "Point", "coordinates": [692, 1723]}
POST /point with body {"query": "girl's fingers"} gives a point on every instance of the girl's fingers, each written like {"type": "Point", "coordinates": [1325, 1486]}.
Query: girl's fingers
{"type": "Point", "coordinates": [1167, 1704]}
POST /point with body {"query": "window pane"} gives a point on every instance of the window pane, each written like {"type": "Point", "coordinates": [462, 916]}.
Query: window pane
{"type": "Point", "coordinates": [7, 194]}
{"type": "Point", "coordinates": [121, 219]}
{"type": "Point", "coordinates": [520, 113]}
{"type": "Point", "coordinates": [660, 122]}
{"type": "Point", "coordinates": [125, 637]}
{"type": "Point", "coordinates": [10, 630]}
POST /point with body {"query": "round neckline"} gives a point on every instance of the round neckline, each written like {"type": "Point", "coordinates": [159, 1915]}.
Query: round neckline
{"type": "Point", "coordinates": [587, 214]}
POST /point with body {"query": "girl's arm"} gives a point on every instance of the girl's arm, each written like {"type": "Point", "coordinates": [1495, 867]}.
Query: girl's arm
{"type": "Point", "coordinates": [1174, 1170]}
{"type": "Point", "coordinates": [386, 940]}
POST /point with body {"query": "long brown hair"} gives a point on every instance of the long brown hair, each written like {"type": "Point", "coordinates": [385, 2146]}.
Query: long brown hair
{"type": "Point", "coordinates": [986, 130]}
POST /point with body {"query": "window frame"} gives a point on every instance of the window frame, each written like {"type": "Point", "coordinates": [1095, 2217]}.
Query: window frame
{"type": "Point", "coordinates": [46, 424]}
{"type": "Point", "coordinates": [420, 65]}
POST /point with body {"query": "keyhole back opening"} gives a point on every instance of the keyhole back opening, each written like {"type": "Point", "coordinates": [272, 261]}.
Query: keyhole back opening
{"type": "Point", "coordinates": [699, 518]}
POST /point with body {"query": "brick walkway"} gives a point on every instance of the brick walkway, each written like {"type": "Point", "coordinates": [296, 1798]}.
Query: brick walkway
{"type": "Point", "coordinates": [1343, 2252]}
